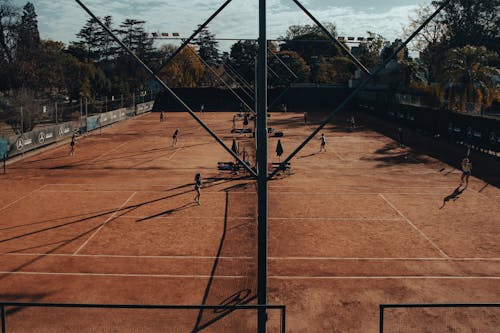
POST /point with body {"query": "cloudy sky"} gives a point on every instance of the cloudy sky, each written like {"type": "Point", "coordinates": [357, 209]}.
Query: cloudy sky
{"type": "Point", "coordinates": [62, 19]}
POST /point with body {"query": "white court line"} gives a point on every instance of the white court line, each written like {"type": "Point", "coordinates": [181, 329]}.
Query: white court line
{"type": "Point", "coordinates": [414, 227]}
{"type": "Point", "coordinates": [175, 152]}
{"type": "Point", "coordinates": [281, 277]}
{"type": "Point", "coordinates": [128, 275]}
{"type": "Point", "coordinates": [337, 218]}
{"type": "Point", "coordinates": [23, 197]}
{"type": "Point", "coordinates": [117, 256]}
{"type": "Point", "coordinates": [191, 217]}
{"type": "Point", "coordinates": [102, 225]}
{"type": "Point", "coordinates": [399, 277]}
{"type": "Point", "coordinates": [108, 152]}
{"type": "Point", "coordinates": [338, 155]}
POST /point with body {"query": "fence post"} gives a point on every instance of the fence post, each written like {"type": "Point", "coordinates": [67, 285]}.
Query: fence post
{"type": "Point", "coordinates": [283, 320]}
{"type": "Point", "coordinates": [55, 111]}
{"type": "Point", "coordinates": [4, 318]}
{"type": "Point", "coordinates": [381, 318]}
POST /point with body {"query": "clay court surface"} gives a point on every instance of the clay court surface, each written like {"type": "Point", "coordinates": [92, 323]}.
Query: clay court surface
{"type": "Point", "coordinates": [363, 224]}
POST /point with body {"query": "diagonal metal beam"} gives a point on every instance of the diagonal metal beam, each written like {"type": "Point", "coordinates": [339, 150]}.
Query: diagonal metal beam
{"type": "Point", "coordinates": [238, 75]}
{"type": "Point", "coordinates": [236, 80]}
{"type": "Point", "coordinates": [358, 89]}
{"type": "Point", "coordinates": [160, 81]}
{"type": "Point", "coordinates": [223, 81]}
{"type": "Point", "coordinates": [283, 63]}
{"type": "Point", "coordinates": [332, 37]}
{"type": "Point", "coordinates": [193, 35]}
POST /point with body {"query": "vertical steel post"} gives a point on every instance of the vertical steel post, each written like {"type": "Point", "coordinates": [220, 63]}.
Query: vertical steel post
{"type": "Point", "coordinates": [4, 318]}
{"type": "Point", "coordinates": [381, 318]}
{"type": "Point", "coordinates": [55, 111]}
{"type": "Point", "coordinates": [262, 168]}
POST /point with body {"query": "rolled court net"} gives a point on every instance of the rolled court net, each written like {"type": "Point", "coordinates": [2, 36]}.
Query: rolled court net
{"type": "Point", "coordinates": [122, 318]}
{"type": "Point", "coordinates": [440, 318]}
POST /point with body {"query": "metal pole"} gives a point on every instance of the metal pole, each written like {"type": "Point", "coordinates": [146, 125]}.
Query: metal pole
{"type": "Point", "coordinates": [222, 80]}
{"type": "Point", "coordinates": [360, 87]}
{"type": "Point", "coordinates": [197, 31]}
{"type": "Point", "coordinates": [283, 63]}
{"type": "Point", "coordinates": [332, 37]}
{"type": "Point", "coordinates": [262, 168]}
{"type": "Point", "coordinates": [55, 111]}
{"type": "Point", "coordinates": [4, 318]}
{"type": "Point", "coordinates": [381, 318]}
{"type": "Point", "coordinates": [164, 86]}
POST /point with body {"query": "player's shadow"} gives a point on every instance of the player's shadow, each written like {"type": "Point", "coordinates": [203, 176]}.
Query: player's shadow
{"type": "Point", "coordinates": [239, 296]}
{"type": "Point", "coordinates": [308, 155]}
{"type": "Point", "coordinates": [455, 195]}
{"type": "Point", "coordinates": [168, 212]}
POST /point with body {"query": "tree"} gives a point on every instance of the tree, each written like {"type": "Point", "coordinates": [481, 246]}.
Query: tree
{"type": "Point", "coordinates": [88, 44]}
{"type": "Point", "coordinates": [472, 22]}
{"type": "Point", "coordinates": [295, 62]}
{"type": "Point", "coordinates": [207, 46]}
{"type": "Point", "coordinates": [185, 70]}
{"type": "Point", "coordinates": [369, 52]}
{"type": "Point", "coordinates": [242, 58]}
{"type": "Point", "coordinates": [467, 78]}
{"type": "Point", "coordinates": [310, 42]}
{"type": "Point", "coordinates": [28, 38]}
{"type": "Point", "coordinates": [8, 31]}
{"type": "Point", "coordinates": [8, 37]}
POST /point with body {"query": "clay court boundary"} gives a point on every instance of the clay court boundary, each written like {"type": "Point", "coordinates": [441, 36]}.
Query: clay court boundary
{"type": "Point", "coordinates": [383, 307]}
{"type": "Point", "coordinates": [222, 310]}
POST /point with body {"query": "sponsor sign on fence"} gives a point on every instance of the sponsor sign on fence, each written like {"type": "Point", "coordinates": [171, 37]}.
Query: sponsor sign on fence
{"type": "Point", "coordinates": [37, 138]}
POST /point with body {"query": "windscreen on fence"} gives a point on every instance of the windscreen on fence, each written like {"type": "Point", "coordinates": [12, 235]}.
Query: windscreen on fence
{"type": "Point", "coordinates": [413, 318]}
{"type": "Point", "coordinates": [37, 317]}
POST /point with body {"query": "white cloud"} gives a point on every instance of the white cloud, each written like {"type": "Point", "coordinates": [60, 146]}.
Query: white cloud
{"type": "Point", "coordinates": [61, 20]}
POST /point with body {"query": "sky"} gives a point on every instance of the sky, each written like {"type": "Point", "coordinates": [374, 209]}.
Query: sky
{"type": "Point", "coordinates": [62, 19]}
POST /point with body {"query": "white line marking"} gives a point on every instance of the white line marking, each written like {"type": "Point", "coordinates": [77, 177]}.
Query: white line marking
{"type": "Point", "coordinates": [338, 155]}
{"type": "Point", "coordinates": [281, 277]}
{"type": "Point", "coordinates": [108, 152]}
{"type": "Point", "coordinates": [113, 256]}
{"type": "Point", "coordinates": [414, 227]}
{"type": "Point", "coordinates": [102, 225]}
{"type": "Point", "coordinates": [23, 197]}
{"type": "Point", "coordinates": [128, 275]}
{"type": "Point", "coordinates": [430, 277]}
{"type": "Point", "coordinates": [191, 217]}
{"type": "Point", "coordinates": [175, 152]}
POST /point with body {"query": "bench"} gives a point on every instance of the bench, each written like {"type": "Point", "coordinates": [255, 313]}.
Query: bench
{"type": "Point", "coordinates": [287, 168]}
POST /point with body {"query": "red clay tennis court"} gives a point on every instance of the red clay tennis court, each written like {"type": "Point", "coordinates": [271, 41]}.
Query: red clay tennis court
{"type": "Point", "coordinates": [365, 223]}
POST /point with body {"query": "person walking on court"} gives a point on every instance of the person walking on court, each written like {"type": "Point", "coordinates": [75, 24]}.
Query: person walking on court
{"type": "Point", "coordinates": [162, 116]}
{"type": "Point", "coordinates": [202, 108]}
{"type": "Point", "coordinates": [352, 122]}
{"type": "Point", "coordinates": [466, 171]}
{"type": "Point", "coordinates": [322, 147]}
{"type": "Point", "coordinates": [174, 137]}
{"type": "Point", "coordinates": [400, 136]}
{"type": "Point", "coordinates": [197, 188]}
{"type": "Point", "coordinates": [72, 145]}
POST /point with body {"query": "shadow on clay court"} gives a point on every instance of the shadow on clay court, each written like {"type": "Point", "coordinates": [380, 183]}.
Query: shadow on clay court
{"type": "Point", "coordinates": [242, 296]}
{"type": "Point", "coordinates": [35, 297]}
{"type": "Point", "coordinates": [210, 182]}
{"type": "Point", "coordinates": [168, 212]}
{"type": "Point", "coordinates": [455, 195]}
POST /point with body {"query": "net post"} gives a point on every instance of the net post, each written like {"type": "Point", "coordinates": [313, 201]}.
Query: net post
{"type": "Point", "coordinates": [381, 318]}
{"type": "Point", "coordinates": [4, 318]}
{"type": "Point", "coordinates": [283, 319]}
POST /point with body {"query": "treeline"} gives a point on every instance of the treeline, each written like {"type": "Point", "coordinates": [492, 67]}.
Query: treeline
{"type": "Point", "coordinates": [458, 61]}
